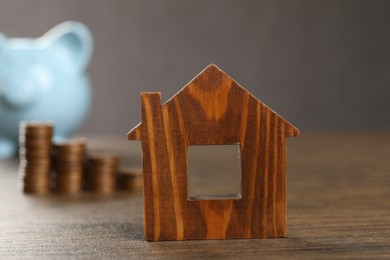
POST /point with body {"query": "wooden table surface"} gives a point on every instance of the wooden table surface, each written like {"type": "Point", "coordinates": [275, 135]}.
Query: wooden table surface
{"type": "Point", "coordinates": [338, 206]}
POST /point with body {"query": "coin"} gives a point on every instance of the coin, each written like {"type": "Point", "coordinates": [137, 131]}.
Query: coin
{"type": "Point", "coordinates": [69, 160]}
{"type": "Point", "coordinates": [102, 172]}
{"type": "Point", "coordinates": [35, 157]}
{"type": "Point", "coordinates": [130, 179]}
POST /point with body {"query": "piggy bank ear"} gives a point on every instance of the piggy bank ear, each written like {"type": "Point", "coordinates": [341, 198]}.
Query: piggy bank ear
{"type": "Point", "coordinates": [72, 43]}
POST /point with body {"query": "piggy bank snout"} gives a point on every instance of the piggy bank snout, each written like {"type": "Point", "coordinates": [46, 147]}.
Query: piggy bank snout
{"type": "Point", "coordinates": [19, 93]}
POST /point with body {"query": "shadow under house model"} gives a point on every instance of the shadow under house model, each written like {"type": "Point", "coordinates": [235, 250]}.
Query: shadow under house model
{"type": "Point", "coordinates": [212, 109]}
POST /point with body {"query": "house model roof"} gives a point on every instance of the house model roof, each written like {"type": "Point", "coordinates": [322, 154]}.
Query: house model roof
{"type": "Point", "coordinates": [211, 87]}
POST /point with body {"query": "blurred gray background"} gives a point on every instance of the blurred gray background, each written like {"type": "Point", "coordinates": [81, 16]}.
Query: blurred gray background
{"type": "Point", "coordinates": [323, 65]}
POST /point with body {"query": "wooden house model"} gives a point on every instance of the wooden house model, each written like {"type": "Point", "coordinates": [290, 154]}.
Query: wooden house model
{"type": "Point", "coordinates": [212, 109]}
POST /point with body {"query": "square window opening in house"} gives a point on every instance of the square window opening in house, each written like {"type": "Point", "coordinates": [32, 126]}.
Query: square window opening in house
{"type": "Point", "coordinates": [214, 172]}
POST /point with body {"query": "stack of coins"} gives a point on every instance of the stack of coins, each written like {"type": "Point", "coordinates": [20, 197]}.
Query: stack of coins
{"type": "Point", "coordinates": [69, 159]}
{"type": "Point", "coordinates": [35, 157]}
{"type": "Point", "coordinates": [130, 179]}
{"type": "Point", "coordinates": [102, 173]}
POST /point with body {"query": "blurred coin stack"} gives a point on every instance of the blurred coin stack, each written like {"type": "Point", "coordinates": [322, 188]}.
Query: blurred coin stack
{"type": "Point", "coordinates": [35, 156]}
{"type": "Point", "coordinates": [102, 173]}
{"type": "Point", "coordinates": [130, 179]}
{"type": "Point", "coordinates": [69, 160]}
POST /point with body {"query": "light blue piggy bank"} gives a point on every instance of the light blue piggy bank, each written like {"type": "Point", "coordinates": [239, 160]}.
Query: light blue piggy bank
{"type": "Point", "coordinates": [44, 80]}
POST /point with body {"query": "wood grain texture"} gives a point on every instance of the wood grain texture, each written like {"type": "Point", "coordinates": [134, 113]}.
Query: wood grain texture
{"type": "Point", "coordinates": [338, 208]}
{"type": "Point", "coordinates": [212, 109]}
